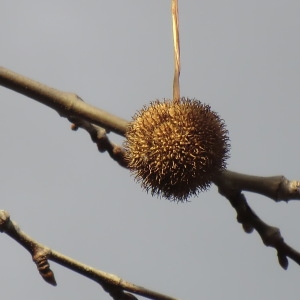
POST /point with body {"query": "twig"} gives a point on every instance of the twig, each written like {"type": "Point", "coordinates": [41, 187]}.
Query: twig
{"type": "Point", "coordinates": [38, 252]}
{"type": "Point", "coordinates": [98, 136]}
{"type": "Point", "coordinates": [66, 104]}
{"type": "Point", "coordinates": [115, 286]}
{"type": "Point", "coordinates": [231, 184]}
{"type": "Point", "coordinates": [175, 26]}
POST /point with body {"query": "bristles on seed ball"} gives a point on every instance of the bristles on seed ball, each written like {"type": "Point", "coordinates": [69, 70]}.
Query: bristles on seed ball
{"type": "Point", "coordinates": [175, 148]}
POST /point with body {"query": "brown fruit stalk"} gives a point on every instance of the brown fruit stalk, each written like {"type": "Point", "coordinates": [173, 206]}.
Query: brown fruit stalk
{"type": "Point", "coordinates": [175, 148]}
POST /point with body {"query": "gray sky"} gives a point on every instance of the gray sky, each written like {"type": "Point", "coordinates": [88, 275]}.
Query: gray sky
{"type": "Point", "coordinates": [241, 57]}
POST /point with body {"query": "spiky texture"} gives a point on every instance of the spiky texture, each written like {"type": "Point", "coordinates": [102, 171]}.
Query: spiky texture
{"type": "Point", "coordinates": [174, 149]}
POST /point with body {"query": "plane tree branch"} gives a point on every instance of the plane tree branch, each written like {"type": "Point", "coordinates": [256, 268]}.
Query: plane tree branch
{"type": "Point", "coordinates": [98, 124]}
{"type": "Point", "coordinates": [118, 288]}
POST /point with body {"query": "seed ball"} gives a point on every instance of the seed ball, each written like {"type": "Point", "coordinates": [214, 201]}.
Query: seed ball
{"type": "Point", "coordinates": [175, 148]}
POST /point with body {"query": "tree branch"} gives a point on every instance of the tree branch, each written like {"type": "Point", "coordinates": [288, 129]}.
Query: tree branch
{"type": "Point", "coordinates": [99, 137]}
{"type": "Point", "coordinates": [66, 104]}
{"type": "Point", "coordinates": [277, 188]}
{"type": "Point", "coordinates": [270, 235]}
{"type": "Point", "coordinates": [115, 286]}
{"type": "Point", "coordinates": [98, 123]}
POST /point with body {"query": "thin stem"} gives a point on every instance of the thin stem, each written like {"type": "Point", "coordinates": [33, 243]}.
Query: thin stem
{"type": "Point", "coordinates": [175, 23]}
{"type": "Point", "coordinates": [105, 278]}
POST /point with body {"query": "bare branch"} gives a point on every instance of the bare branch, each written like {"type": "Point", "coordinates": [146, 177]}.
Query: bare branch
{"type": "Point", "coordinates": [115, 286]}
{"type": "Point", "coordinates": [231, 184]}
{"type": "Point", "coordinates": [39, 252]}
{"type": "Point", "coordinates": [98, 136]}
{"type": "Point", "coordinates": [277, 188]}
{"type": "Point", "coordinates": [66, 104]}
{"type": "Point", "coordinates": [71, 106]}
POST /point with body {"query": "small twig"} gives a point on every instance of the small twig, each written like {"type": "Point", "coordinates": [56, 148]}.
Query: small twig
{"type": "Point", "coordinates": [39, 252]}
{"type": "Point", "coordinates": [114, 285]}
{"type": "Point", "coordinates": [270, 235]}
{"type": "Point", "coordinates": [99, 136]}
{"type": "Point", "coordinates": [175, 25]}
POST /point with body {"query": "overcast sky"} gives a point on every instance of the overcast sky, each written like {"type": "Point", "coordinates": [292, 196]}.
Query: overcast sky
{"type": "Point", "coordinates": [241, 57]}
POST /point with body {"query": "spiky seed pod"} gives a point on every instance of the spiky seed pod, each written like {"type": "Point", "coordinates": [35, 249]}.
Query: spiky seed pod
{"type": "Point", "coordinates": [175, 148]}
